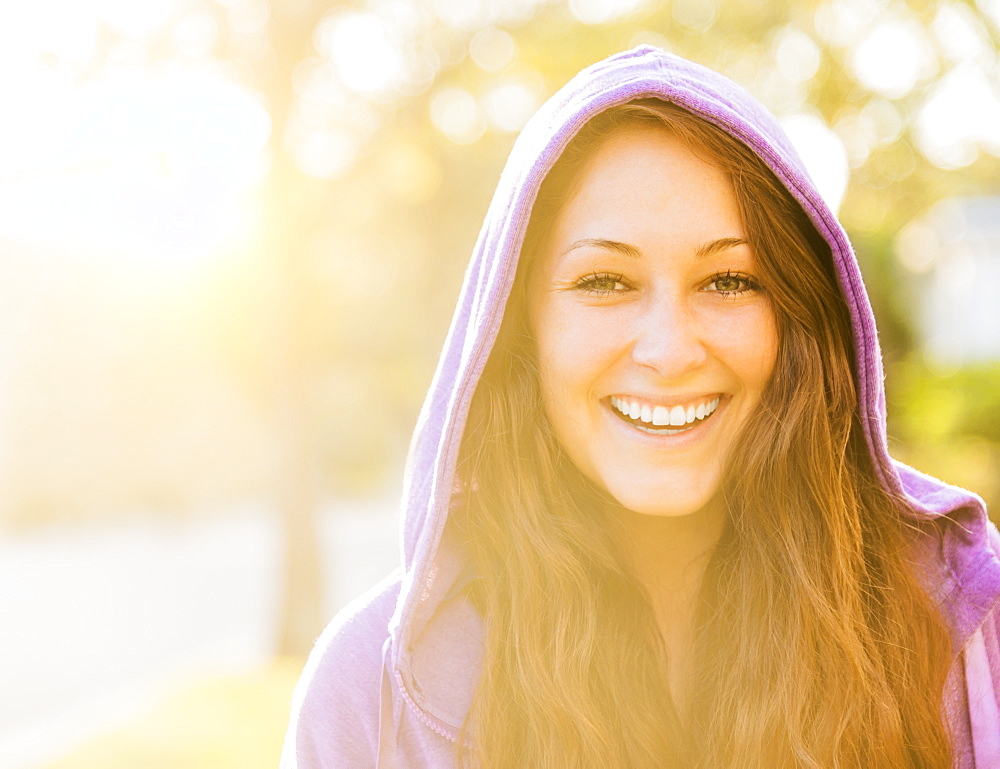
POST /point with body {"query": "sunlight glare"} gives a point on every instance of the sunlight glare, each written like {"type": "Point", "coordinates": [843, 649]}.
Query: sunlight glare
{"type": "Point", "coordinates": [248, 18]}
{"type": "Point", "coordinates": [823, 154]}
{"type": "Point", "coordinates": [855, 134]}
{"type": "Point", "coordinates": [602, 11]}
{"type": "Point", "coordinates": [962, 112]}
{"type": "Point", "coordinates": [135, 19]}
{"type": "Point", "coordinates": [457, 115]}
{"type": "Point", "coordinates": [195, 34]}
{"type": "Point", "coordinates": [992, 9]}
{"type": "Point", "coordinates": [513, 100]}
{"type": "Point", "coordinates": [467, 14]}
{"type": "Point", "coordinates": [917, 247]}
{"type": "Point", "coordinates": [959, 33]}
{"type": "Point", "coordinates": [359, 48]}
{"type": "Point", "coordinates": [698, 15]}
{"type": "Point", "coordinates": [893, 57]}
{"type": "Point", "coordinates": [842, 22]}
{"type": "Point", "coordinates": [409, 172]}
{"type": "Point", "coordinates": [63, 29]}
{"type": "Point", "coordinates": [324, 154]}
{"type": "Point", "coordinates": [797, 55]}
{"type": "Point", "coordinates": [137, 164]}
{"type": "Point", "coordinates": [883, 120]}
{"type": "Point", "coordinates": [492, 49]}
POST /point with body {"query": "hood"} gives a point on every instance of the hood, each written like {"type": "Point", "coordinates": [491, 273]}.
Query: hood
{"type": "Point", "coordinates": [965, 577]}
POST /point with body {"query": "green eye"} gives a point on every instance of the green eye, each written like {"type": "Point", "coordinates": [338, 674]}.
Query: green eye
{"type": "Point", "coordinates": [731, 284]}
{"type": "Point", "coordinates": [601, 284]}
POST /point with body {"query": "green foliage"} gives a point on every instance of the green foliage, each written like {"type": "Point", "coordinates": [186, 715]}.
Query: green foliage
{"type": "Point", "coordinates": [929, 404]}
{"type": "Point", "coordinates": [947, 423]}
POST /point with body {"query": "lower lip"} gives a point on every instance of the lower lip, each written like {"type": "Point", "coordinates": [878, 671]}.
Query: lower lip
{"type": "Point", "coordinates": [672, 438]}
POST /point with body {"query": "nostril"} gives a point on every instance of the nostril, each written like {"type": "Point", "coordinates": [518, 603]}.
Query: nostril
{"type": "Point", "coordinates": [668, 337]}
{"type": "Point", "coordinates": [669, 356]}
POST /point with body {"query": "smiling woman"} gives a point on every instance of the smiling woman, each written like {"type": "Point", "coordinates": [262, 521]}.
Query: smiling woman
{"type": "Point", "coordinates": [645, 294]}
{"type": "Point", "coordinates": [650, 520]}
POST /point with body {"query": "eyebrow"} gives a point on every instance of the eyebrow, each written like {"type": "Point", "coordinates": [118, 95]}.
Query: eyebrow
{"type": "Point", "coordinates": [706, 249]}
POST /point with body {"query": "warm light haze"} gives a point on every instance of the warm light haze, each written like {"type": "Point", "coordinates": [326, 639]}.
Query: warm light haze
{"type": "Point", "coordinates": [232, 233]}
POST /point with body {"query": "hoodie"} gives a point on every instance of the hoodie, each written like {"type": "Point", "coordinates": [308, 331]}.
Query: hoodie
{"type": "Point", "coordinates": [390, 681]}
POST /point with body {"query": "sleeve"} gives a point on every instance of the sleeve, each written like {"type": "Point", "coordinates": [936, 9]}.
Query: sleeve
{"type": "Point", "coordinates": [335, 707]}
{"type": "Point", "coordinates": [981, 658]}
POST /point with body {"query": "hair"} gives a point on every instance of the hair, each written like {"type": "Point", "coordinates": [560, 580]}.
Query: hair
{"type": "Point", "coordinates": [816, 645]}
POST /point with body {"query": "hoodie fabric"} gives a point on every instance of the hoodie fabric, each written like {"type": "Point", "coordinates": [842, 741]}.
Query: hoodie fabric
{"type": "Point", "coordinates": [390, 681]}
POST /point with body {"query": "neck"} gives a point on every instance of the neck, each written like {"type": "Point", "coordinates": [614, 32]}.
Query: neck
{"type": "Point", "coordinates": [669, 557]}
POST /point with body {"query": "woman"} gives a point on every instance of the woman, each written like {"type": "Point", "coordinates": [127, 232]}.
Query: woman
{"type": "Point", "coordinates": [649, 518]}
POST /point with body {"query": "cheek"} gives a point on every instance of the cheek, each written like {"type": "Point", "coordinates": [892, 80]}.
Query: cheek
{"type": "Point", "coordinates": [579, 347]}
{"type": "Point", "coordinates": [574, 353]}
{"type": "Point", "coordinates": [562, 367]}
{"type": "Point", "coordinates": [567, 338]}
{"type": "Point", "coordinates": [760, 349]}
{"type": "Point", "coordinates": [748, 343]}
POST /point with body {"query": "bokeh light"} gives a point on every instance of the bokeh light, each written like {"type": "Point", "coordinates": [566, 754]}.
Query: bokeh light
{"type": "Point", "coordinates": [513, 100]}
{"type": "Point", "coordinates": [961, 114]}
{"type": "Point", "coordinates": [696, 15]}
{"type": "Point", "coordinates": [822, 153]}
{"type": "Point", "coordinates": [360, 49]}
{"type": "Point", "coordinates": [602, 11]}
{"type": "Point", "coordinates": [231, 237]}
{"type": "Point", "coordinates": [893, 56]}
{"type": "Point", "coordinates": [492, 49]}
{"type": "Point", "coordinates": [842, 23]}
{"type": "Point", "coordinates": [457, 114]}
{"type": "Point", "coordinates": [796, 53]}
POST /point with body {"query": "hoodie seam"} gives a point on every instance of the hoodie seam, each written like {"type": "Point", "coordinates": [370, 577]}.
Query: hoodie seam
{"type": "Point", "coordinates": [430, 721]}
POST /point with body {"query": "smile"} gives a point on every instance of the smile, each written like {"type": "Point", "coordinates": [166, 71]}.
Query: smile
{"type": "Point", "coordinates": [663, 420]}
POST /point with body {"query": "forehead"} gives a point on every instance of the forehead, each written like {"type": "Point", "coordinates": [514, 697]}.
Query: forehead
{"type": "Point", "coordinates": [644, 153]}
{"type": "Point", "coordinates": [644, 182]}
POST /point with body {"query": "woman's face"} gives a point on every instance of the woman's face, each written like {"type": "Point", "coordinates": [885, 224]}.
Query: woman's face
{"type": "Point", "coordinates": [654, 338]}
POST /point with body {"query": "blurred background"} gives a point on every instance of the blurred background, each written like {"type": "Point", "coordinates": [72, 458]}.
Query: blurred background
{"type": "Point", "coordinates": [231, 236]}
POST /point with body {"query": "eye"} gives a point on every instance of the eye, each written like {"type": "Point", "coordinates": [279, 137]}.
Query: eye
{"type": "Point", "coordinates": [732, 284]}
{"type": "Point", "coordinates": [601, 284]}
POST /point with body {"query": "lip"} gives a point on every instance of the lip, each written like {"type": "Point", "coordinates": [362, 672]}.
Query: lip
{"type": "Point", "coordinates": [676, 440]}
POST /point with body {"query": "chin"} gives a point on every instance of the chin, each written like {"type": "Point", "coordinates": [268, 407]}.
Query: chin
{"type": "Point", "coordinates": [666, 503]}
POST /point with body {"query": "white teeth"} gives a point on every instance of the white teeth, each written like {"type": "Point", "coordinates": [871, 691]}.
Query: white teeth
{"type": "Point", "coordinates": [664, 416]}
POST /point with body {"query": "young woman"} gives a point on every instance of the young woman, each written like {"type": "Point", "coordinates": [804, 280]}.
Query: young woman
{"type": "Point", "coordinates": [650, 520]}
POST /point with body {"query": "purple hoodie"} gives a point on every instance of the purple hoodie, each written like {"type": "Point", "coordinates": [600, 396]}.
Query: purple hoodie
{"type": "Point", "coordinates": [390, 681]}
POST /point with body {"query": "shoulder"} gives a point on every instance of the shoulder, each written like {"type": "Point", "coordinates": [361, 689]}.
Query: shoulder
{"type": "Point", "coordinates": [988, 634]}
{"type": "Point", "coordinates": [981, 662]}
{"type": "Point", "coordinates": [335, 707]}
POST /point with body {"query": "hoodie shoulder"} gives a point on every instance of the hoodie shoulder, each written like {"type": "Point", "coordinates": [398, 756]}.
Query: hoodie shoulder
{"type": "Point", "coordinates": [335, 706]}
{"type": "Point", "coordinates": [979, 670]}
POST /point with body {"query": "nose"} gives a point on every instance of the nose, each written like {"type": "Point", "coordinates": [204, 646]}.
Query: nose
{"type": "Point", "coordinates": [668, 338]}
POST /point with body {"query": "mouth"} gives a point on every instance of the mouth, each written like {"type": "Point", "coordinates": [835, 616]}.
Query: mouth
{"type": "Point", "coordinates": [664, 419]}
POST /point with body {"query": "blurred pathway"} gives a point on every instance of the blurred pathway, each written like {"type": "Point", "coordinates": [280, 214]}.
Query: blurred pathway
{"type": "Point", "coordinates": [96, 622]}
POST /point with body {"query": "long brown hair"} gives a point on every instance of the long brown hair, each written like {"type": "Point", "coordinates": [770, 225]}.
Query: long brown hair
{"type": "Point", "coordinates": [816, 644]}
